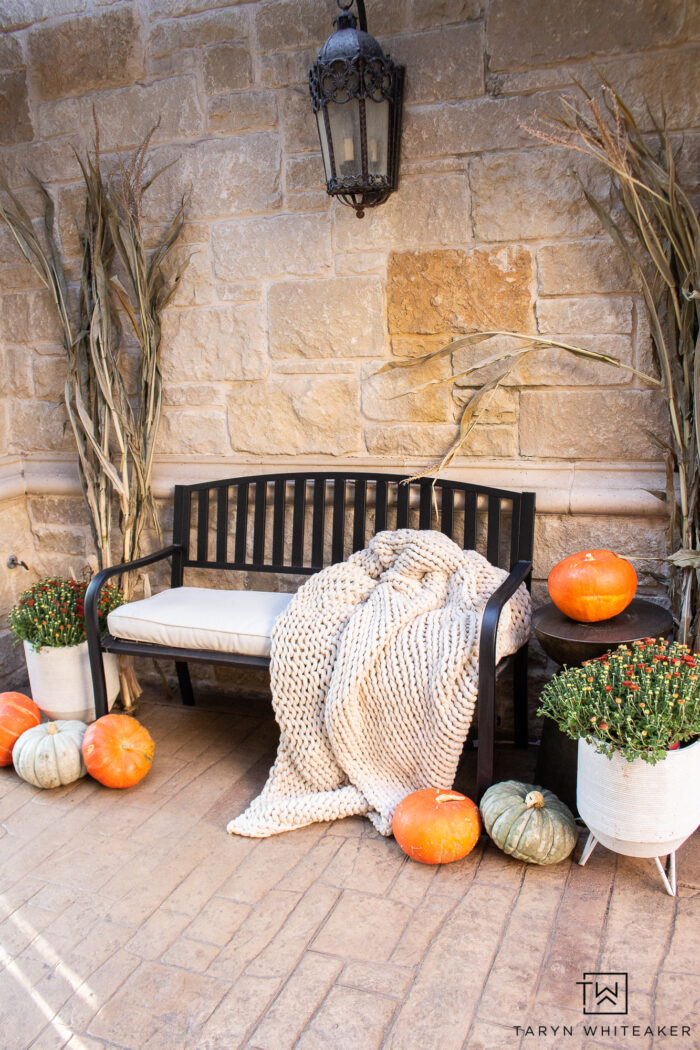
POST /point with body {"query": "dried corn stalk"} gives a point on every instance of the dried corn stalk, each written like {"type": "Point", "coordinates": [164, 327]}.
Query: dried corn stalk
{"type": "Point", "coordinates": [114, 432]}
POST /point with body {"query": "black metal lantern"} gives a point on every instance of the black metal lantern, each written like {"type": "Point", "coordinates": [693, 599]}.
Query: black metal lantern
{"type": "Point", "coordinates": [356, 92]}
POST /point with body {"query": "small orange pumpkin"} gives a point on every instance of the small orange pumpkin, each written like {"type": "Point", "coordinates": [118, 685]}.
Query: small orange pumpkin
{"type": "Point", "coordinates": [592, 585]}
{"type": "Point", "coordinates": [17, 714]}
{"type": "Point", "coordinates": [117, 751]}
{"type": "Point", "coordinates": [436, 827]}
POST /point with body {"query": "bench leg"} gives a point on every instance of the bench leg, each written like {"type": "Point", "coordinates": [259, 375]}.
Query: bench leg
{"type": "Point", "coordinates": [520, 698]}
{"type": "Point", "coordinates": [486, 707]}
{"type": "Point", "coordinates": [185, 682]}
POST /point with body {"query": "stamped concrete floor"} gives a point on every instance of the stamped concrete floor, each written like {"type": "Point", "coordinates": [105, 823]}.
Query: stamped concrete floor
{"type": "Point", "coordinates": [131, 919]}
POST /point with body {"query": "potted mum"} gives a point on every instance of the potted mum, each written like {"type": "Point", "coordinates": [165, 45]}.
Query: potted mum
{"type": "Point", "coordinates": [49, 619]}
{"type": "Point", "coordinates": [636, 715]}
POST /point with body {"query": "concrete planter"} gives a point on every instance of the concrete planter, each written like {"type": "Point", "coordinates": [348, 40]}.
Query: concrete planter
{"type": "Point", "coordinates": [61, 683]}
{"type": "Point", "coordinates": [637, 809]}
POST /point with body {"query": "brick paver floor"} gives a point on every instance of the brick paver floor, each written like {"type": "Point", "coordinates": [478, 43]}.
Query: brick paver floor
{"type": "Point", "coordinates": [131, 919]}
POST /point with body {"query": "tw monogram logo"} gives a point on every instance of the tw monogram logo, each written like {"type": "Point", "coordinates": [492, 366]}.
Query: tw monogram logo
{"type": "Point", "coordinates": [604, 993]}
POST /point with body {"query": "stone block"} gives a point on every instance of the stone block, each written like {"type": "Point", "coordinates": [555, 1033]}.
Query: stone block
{"type": "Point", "coordinates": [49, 161]}
{"type": "Point", "coordinates": [281, 245]}
{"type": "Point", "coordinates": [428, 13]}
{"type": "Point", "coordinates": [193, 394]}
{"type": "Point", "coordinates": [441, 65]}
{"type": "Point", "coordinates": [126, 116]}
{"type": "Point", "coordinates": [500, 406]}
{"type": "Point", "coordinates": [16, 14]}
{"type": "Point", "coordinates": [242, 111]}
{"type": "Point", "coordinates": [202, 432]}
{"type": "Point", "coordinates": [424, 212]}
{"type": "Point", "coordinates": [297, 121]}
{"type": "Point", "coordinates": [213, 27]}
{"type": "Point", "coordinates": [226, 176]}
{"type": "Point", "coordinates": [577, 267]}
{"type": "Point", "coordinates": [340, 317]}
{"type": "Point", "coordinates": [10, 54]}
{"type": "Point", "coordinates": [293, 415]}
{"type": "Point", "coordinates": [641, 540]}
{"type": "Point", "coordinates": [29, 318]}
{"type": "Point", "coordinates": [550, 367]}
{"type": "Point", "coordinates": [534, 195]}
{"type": "Point", "coordinates": [195, 287]}
{"type": "Point", "coordinates": [227, 67]}
{"type": "Point", "coordinates": [50, 376]}
{"type": "Point", "coordinates": [17, 372]}
{"type": "Point", "coordinates": [416, 441]}
{"type": "Point", "coordinates": [396, 395]}
{"type": "Point", "coordinates": [213, 344]}
{"type": "Point", "coordinates": [591, 425]}
{"type": "Point", "coordinates": [609, 316]}
{"type": "Point", "coordinates": [15, 122]}
{"type": "Point", "coordinates": [282, 68]}
{"type": "Point", "coordinates": [57, 510]}
{"type": "Point", "coordinates": [297, 23]}
{"type": "Point", "coordinates": [661, 81]}
{"type": "Point", "coordinates": [63, 540]}
{"type": "Point", "coordinates": [449, 292]}
{"type": "Point", "coordinates": [572, 29]}
{"type": "Point", "coordinates": [59, 117]}
{"type": "Point", "coordinates": [79, 55]}
{"type": "Point", "coordinates": [476, 125]}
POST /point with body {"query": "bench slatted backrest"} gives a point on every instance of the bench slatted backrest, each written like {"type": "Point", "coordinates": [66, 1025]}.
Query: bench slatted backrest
{"type": "Point", "coordinates": [298, 523]}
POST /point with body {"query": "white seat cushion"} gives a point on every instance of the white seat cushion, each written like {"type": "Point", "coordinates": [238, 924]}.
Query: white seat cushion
{"type": "Point", "coordinates": [202, 618]}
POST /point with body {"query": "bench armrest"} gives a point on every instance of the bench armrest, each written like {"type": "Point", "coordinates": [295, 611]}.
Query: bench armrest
{"type": "Point", "coordinates": [92, 595]}
{"type": "Point", "coordinates": [494, 607]}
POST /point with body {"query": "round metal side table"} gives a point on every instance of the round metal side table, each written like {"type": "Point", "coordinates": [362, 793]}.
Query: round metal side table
{"type": "Point", "coordinates": [571, 643]}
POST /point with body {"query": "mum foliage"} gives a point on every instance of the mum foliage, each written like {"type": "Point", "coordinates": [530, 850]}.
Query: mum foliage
{"type": "Point", "coordinates": [638, 701]}
{"type": "Point", "coordinates": [51, 612]}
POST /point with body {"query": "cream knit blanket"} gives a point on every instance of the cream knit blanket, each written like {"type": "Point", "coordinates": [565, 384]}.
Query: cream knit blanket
{"type": "Point", "coordinates": [374, 671]}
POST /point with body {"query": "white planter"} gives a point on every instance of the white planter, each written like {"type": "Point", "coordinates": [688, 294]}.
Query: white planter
{"type": "Point", "coordinates": [637, 809]}
{"type": "Point", "coordinates": [61, 683]}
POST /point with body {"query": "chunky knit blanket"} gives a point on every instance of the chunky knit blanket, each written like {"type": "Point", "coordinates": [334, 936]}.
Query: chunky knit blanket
{"type": "Point", "coordinates": [374, 671]}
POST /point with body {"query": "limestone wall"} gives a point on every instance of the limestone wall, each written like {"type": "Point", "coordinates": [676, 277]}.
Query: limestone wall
{"type": "Point", "coordinates": [290, 303]}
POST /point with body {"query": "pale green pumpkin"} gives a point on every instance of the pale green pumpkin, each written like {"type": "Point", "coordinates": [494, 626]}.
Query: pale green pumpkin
{"type": "Point", "coordinates": [528, 822]}
{"type": "Point", "coordinates": [49, 755]}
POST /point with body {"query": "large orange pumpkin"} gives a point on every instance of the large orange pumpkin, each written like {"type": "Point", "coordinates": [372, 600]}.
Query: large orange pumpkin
{"type": "Point", "coordinates": [592, 585]}
{"type": "Point", "coordinates": [17, 713]}
{"type": "Point", "coordinates": [117, 750]}
{"type": "Point", "coordinates": [436, 827]}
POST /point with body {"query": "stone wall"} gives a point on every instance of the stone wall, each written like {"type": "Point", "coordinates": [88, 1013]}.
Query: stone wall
{"type": "Point", "coordinates": [290, 303]}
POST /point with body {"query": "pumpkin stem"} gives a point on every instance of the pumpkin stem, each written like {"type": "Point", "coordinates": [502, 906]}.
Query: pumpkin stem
{"type": "Point", "coordinates": [52, 728]}
{"type": "Point", "coordinates": [449, 798]}
{"type": "Point", "coordinates": [535, 798]}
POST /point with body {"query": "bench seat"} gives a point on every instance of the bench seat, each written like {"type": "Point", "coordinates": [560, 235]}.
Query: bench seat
{"type": "Point", "coordinates": [228, 621]}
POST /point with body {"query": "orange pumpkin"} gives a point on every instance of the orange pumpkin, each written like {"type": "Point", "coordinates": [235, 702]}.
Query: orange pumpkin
{"type": "Point", "coordinates": [436, 827]}
{"type": "Point", "coordinates": [117, 750]}
{"type": "Point", "coordinates": [592, 585]}
{"type": "Point", "coordinates": [17, 713]}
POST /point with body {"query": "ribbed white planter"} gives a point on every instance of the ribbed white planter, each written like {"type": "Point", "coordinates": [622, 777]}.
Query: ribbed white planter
{"type": "Point", "coordinates": [61, 683]}
{"type": "Point", "coordinates": [638, 809]}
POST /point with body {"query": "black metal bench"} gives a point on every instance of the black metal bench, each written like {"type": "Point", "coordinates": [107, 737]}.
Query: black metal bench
{"type": "Point", "coordinates": [298, 523]}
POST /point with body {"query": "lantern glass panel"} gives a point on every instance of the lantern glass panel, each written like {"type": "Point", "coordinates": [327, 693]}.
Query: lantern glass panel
{"type": "Point", "coordinates": [345, 131]}
{"type": "Point", "coordinates": [377, 136]}
{"type": "Point", "coordinates": [320, 120]}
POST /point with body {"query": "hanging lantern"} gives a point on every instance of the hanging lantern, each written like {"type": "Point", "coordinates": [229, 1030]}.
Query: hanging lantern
{"type": "Point", "coordinates": [356, 92]}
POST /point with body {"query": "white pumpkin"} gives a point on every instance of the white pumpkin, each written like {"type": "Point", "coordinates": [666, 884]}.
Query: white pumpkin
{"type": "Point", "coordinates": [49, 755]}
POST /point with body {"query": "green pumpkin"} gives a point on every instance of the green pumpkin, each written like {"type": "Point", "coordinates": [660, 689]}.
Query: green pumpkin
{"type": "Point", "coordinates": [49, 755]}
{"type": "Point", "coordinates": [528, 822]}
